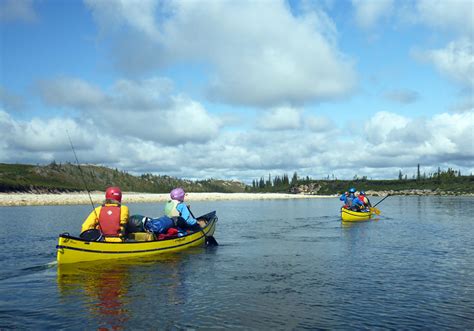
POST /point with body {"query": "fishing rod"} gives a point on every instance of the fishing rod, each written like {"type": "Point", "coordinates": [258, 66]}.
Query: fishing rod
{"type": "Point", "coordinates": [82, 176]}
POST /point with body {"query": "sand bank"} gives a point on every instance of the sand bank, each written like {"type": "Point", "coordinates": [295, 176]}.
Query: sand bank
{"type": "Point", "coordinates": [31, 199]}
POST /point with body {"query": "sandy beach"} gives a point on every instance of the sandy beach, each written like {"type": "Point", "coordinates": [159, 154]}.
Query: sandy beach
{"type": "Point", "coordinates": [31, 199]}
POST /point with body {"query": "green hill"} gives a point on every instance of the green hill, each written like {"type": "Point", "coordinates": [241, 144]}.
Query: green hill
{"type": "Point", "coordinates": [68, 178]}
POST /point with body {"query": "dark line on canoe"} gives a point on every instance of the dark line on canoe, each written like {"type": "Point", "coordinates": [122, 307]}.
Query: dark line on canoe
{"type": "Point", "coordinates": [208, 226]}
{"type": "Point", "coordinates": [355, 213]}
{"type": "Point", "coordinates": [126, 252]}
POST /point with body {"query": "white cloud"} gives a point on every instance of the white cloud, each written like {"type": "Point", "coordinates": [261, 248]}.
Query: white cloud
{"type": "Point", "coordinates": [464, 105]}
{"type": "Point", "coordinates": [70, 92]}
{"type": "Point", "coordinates": [139, 14]}
{"type": "Point", "coordinates": [455, 61]}
{"type": "Point", "coordinates": [454, 15]}
{"type": "Point", "coordinates": [17, 10]}
{"type": "Point", "coordinates": [144, 109]}
{"type": "Point", "coordinates": [378, 128]}
{"type": "Point", "coordinates": [368, 13]}
{"type": "Point", "coordinates": [389, 142]}
{"type": "Point", "coordinates": [281, 118]}
{"type": "Point", "coordinates": [443, 138]}
{"type": "Point", "coordinates": [454, 133]}
{"type": "Point", "coordinates": [319, 124]}
{"type": "Point", "coordinates": [256, 53]}
{"type": "Point", "coordinates": [41, 138]}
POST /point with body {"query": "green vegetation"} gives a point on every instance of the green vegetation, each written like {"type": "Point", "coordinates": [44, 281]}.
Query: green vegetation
{"type": "Point", "coordinates": [448, 181]}
{"type": "Point", "coordinates": [68, 178]}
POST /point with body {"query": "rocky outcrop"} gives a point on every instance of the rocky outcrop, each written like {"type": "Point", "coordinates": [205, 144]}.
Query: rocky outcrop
{"type": "Point", "coordinates": [424, 192]}
{"type": "Point", "coordinates": [315, 189]}
{"type": "Point", "coordinates": [310, 189]}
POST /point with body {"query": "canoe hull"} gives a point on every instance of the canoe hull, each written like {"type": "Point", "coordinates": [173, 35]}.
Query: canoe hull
{"type": "Point", "coordinates": [73, 250]}
{"type": "Point", "coordinates": [354, 216]}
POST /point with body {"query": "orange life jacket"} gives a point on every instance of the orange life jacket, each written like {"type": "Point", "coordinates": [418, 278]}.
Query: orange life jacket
{"type": "Point", "coordinates": [109, 220]}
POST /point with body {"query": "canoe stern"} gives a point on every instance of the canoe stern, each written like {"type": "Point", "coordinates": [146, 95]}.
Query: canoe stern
{"type": "Point", "coordinates": [354, 216]}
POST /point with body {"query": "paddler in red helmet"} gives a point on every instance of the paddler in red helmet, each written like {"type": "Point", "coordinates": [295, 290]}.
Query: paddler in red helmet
{"type": "Point", "coordinates": [111, 218]}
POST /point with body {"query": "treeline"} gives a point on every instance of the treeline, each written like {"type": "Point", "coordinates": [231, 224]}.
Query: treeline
{"type": "Point", "coordinates": [440, 175]}
{"type": "Point", "coordinates": [276, 183]}
{"type": "Point", "coordinates": [449, 180]}
{"type": "Point", "coordinates": [67, 177]}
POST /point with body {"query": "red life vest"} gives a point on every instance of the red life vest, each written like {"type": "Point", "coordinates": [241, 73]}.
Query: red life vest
{"type": "Point", "coordinates": [109, 220]}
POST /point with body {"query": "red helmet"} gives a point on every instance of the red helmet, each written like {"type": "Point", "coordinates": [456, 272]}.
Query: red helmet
{"type": "Point", "coordinates": [113, 193]}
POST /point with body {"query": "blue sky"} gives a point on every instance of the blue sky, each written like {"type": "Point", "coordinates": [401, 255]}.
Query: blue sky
{"type": "Point", "coordinates": [239, 89]}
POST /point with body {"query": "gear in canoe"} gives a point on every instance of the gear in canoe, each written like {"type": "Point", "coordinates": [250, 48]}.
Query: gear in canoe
{"type": "Point", "coordinates": [109, 232]}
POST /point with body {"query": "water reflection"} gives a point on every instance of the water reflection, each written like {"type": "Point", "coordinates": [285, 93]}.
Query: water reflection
{"type": "Point", "coordinates": [271, 271]}
{"type": "Point", "coordinates": [113, 292]}
{"type": "Point", "coordinates": [349, 224]}
{"type": "Point", "coordinates": [102, 287]}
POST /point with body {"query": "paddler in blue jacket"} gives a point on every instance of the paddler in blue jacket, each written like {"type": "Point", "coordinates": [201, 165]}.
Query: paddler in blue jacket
{"type": "Point", "coordinates": [347, 198]}
{"type": "Point", "coordinates": [177, 209]}
{"type": "Point", "coordinates": [357, 204]}
{"type": "Point", "coordinates": [352, 191]}
{"type": "Point", "coordinates": [344, 198]}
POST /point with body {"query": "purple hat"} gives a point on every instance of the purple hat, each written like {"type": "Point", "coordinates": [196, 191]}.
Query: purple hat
{"type": "Point", "coordinates": [177, 194]}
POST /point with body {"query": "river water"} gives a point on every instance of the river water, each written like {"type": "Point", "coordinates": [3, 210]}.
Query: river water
{"type": "Point", "coordinates": [281, 264]}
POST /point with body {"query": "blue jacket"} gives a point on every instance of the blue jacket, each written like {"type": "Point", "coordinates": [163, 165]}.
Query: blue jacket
{"type": "Point", "coordinates": [343, 198]}
{"type": "Point", "coordinates": [186, 214]}
{"type": "Point", "coordinates": [357, 202]}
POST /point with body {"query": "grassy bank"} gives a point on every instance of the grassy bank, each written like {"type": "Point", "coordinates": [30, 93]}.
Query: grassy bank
{"type": "Point", "coordinates": [56, 178]}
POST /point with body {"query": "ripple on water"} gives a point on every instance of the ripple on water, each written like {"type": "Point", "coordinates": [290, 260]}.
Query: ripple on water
{"type": "Point", "coordinates": [280, 265]}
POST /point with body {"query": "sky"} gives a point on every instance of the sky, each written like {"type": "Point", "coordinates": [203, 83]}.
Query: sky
{"type": "Point", "coordinates": [239, 89]}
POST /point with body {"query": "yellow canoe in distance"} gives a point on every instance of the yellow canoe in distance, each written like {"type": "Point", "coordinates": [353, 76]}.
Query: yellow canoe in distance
{"type": "Point", "coordinates": [73, 250]}
{"type": "Point", "coordinates": [354, 216]}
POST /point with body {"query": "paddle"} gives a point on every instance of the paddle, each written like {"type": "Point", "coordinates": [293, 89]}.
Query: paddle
{"type": "Point", "coordinates": [381, 200]}
{"type": "Point", "coordinates": [374, 210]}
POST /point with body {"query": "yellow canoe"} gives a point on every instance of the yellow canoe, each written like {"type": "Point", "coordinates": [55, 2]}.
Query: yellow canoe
{"type": "Point", "coordinates": [354, 216]}
{"type": "Point", "coordinates": [72, 249]}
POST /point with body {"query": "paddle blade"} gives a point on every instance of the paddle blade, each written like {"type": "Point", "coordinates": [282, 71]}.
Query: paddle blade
{"type": "Point", "coordinates": [374, 210]}
{"type": "Point", "coordinates": [211, 241]}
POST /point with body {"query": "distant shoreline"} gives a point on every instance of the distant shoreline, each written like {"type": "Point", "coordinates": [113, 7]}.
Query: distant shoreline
{"type": "Point", "coordinates": [82, 198]}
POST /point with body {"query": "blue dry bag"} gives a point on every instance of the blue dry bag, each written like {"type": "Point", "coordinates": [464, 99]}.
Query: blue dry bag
{"type": "Point", "coordinates": [159, 225]}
